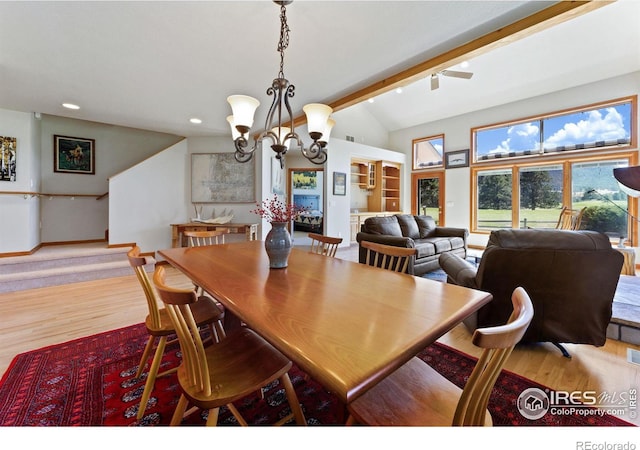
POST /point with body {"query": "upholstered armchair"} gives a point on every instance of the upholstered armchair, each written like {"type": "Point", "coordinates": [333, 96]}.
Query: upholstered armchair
{"type": "Point", "coordinates": [571, 277]}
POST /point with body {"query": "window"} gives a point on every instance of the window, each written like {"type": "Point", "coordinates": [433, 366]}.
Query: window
{"type": "Point", "coordinates": [530, 195]}
{"type": "Point", "coordinates": [606, 125]}
{"type": "Point", "coordinates": [540, 195]}
{"type": "Point", "coordinates": [427, 152]}
{"type": "Point", "coordinates": [494, 199]}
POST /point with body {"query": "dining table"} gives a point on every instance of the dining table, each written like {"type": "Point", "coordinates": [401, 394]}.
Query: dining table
{"type": "Point", "coordinates": [347, 325]}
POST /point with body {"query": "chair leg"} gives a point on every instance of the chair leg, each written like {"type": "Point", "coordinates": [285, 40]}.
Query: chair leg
{"type": "Point", "coordinates": [151, 376]}
{"type": "Point", "coordinates": [145, 356]}
{"type": "Point", "coordinates": [218, 331]}
{"type": "Point", "coordinates": [236, 414]}
{"type": "Point", "coordinates": [179, 412]}
{"type": "Point", "coordinates": [564, 351]}
{"type": "Point", "coordinates": [212, 419]}
{"type": "Point", "coordinates": [294, 404]}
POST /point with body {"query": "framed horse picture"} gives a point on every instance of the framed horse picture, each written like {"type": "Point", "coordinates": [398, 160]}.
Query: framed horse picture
{"type": "Point", "coordinates": [73, 155]}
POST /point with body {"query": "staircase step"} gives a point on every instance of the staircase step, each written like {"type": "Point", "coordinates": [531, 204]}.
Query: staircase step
{"type": "Point", "coordinates": [21, 264]}
{"type": "Point", "coordinates": [65, 265]}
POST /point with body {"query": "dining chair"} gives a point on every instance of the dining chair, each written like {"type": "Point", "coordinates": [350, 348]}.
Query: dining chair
{"type": "Point", "coordinates": [202, 238]}
{"type": "Point", "coordinates": [324, 245]}
{"type": "Point", "coordinates": [159, 326]}
{"type": "Point", "coordinates": [417, 395]}
{"type": "Point", "coordinates": [388, 257]}
{"type": "Point", "coordinates": [226, 371]}
{"type": "Point", "coordinates": [208, 237]}
{"type": "Point", "coordinates": [570, 219]}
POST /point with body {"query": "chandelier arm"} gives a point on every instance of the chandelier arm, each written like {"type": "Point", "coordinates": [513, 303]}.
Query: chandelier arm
{"type": "Point", "coordinates": [316, 153]}
{"type": "Point", "coordinates": [242, 151]}
{"type": "Point", "coordinates": [273, 92]}
{"type": "Point", "coordinates": [290, 92]}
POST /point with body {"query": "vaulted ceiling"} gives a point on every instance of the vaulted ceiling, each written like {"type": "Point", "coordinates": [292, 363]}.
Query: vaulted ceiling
{"type": "Point", "coordinates": [154, 65]}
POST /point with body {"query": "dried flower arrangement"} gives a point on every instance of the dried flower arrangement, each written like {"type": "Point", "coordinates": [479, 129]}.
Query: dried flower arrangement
{"type": "Point", "coordinates": [275, 210]}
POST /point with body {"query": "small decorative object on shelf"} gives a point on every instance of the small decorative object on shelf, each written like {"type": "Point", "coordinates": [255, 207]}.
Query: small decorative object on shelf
{"type": "Point", "coordinates": [278, 240]}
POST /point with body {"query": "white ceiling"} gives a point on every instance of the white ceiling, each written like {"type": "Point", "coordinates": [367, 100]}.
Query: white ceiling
{"type": "Point", "coordinates": [154, 65]}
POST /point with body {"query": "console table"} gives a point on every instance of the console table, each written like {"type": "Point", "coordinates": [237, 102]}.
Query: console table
{"type": "Point", "coordinates": [250, 230]}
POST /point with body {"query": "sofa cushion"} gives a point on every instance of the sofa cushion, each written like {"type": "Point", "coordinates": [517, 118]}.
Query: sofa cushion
{"type": "Point", "coordinates": [456, 242]}
{"type": "Point", "coordinates": [426, 226]}
{"type": "Point", "coordinates": [383, 225]}
{"type": "Point", "coordinates": [408, 225]}
{"type": "Point", "coordinates": [425, 249]}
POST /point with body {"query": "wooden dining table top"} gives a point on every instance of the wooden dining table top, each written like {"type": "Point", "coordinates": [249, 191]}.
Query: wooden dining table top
{"type": "Point", "coordinates": [348, 325]}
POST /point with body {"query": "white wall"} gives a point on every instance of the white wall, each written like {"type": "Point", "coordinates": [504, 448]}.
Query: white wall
{"type": "Point", "coordinates": [338, 211]}
{"type": "Point", "coordinates": [116, 148]}
{"type": "Point", "coordinates": [20, 215]}
{"type": "Point", "coordinates": [358, 123]}
{"type": "Point", "coordinates": [146, 199]}
{"type": "Point", "coordinates": [457, 135]}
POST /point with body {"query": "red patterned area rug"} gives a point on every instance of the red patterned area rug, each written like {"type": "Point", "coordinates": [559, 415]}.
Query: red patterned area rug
{"type": "Point", "coordinates": [90, 381]}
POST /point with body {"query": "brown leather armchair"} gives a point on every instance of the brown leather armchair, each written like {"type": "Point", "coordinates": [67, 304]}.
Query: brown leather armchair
{"type": "Point", "coordinates": [571, 277]}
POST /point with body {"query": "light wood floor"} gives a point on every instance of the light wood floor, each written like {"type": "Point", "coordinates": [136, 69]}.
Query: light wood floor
{"type": "Point", "coordinates": [39, 317]}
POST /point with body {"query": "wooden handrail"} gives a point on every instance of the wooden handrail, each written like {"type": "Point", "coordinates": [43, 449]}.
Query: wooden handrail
{"type": "Point", "coordinates": [44, 194]}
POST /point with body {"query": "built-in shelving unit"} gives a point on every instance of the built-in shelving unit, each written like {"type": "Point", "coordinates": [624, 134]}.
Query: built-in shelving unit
{"type": "Point", "coordinates": [386, 195]}
{"type": "Point", "coordinates": [363, 174]}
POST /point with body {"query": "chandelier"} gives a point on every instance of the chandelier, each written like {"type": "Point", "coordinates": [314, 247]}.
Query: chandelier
{"type": "Point", "coordinates": [279, 132]}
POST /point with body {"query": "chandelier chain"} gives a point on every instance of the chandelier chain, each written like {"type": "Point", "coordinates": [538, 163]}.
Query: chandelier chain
{"type": "Point", "coordinates": [283, 43]}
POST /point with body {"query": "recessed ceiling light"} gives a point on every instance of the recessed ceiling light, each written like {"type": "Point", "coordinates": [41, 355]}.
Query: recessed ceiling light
{"type": "Point", "coordinates": [70, 106]}
{"type": "Point", "coordinates": [371, 100]}
{"type": "Point", "coordinates": [464, 64]}
{"type": "Point", "coordinates": [399, 90]}
{"type": "Point", "coordinates": [195, 120]}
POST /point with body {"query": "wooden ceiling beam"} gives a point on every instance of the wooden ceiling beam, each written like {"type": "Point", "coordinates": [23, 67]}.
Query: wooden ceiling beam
{"type": "Point", "coordinates": [551, 16]}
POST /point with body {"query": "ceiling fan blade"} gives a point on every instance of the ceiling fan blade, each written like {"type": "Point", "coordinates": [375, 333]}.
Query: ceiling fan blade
{"type": "Point", "coordinates": [435, 83]}
{"type": "Point", "coordinates": [457, 74]}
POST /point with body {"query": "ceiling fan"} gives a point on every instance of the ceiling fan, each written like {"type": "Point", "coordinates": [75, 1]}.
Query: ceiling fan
{"type": "Point", "coordinates": [435, 81]}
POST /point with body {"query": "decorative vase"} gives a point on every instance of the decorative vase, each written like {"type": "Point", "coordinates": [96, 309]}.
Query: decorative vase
{"type": "Point", "coordinates": [278, 245]}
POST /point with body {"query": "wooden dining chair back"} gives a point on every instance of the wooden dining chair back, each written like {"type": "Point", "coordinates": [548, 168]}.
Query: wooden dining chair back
{"type": "Point", "coordinates": [209, 237]}
{"type": "Point", "coordinates": [159, 326]}
{"type": "Point", "coordinates": [570, 219]}
{"type": "Point", "coordinates": [388, 256]}
{"type": "Point", "coordinates": [226, 371]}
{"type": "Point", "coordinates": [324, 245]}
{"type": "Point", "coordinates": [417, 395]}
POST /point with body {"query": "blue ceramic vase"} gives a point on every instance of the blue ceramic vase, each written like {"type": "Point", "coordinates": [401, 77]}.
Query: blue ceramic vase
{"type": "Point", "coordinates": [278, 245]}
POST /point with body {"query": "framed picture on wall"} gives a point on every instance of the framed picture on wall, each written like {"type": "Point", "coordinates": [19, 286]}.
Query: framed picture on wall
{"type": "Point", "coordinates": [339, 183]}
{"type": "Point", "coordinates": [8, 149]}
{"type": "Point", "coordinates": [73, 155]}
{"type": "Point", "coordinates": [219, 178]}
{"type": "Point", "coordinates": [459, 158]}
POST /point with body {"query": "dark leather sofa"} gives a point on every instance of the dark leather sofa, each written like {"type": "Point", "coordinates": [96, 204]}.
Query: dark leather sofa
{"type": "Point", "coordinates": [420, 232]}
{"type": "Point", "coordinates": [571, 277]}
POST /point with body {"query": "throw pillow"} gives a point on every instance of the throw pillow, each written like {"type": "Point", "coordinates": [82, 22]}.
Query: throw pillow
{"type": "Point", "coordinates": [408, 225]}
{"type": "Point", "coordinates": [426, 225]}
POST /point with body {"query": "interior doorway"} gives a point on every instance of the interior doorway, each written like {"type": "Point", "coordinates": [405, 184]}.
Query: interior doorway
{"type": "Point", "coordinates": [306, 189]}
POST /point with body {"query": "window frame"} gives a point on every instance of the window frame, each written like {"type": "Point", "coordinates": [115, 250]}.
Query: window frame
{"type": "Point", "coordinates": [415, 142]}
{"type": "Point", "coordinates": [540, 152]}
{"type": "Point", "coordinates": [515, 166]}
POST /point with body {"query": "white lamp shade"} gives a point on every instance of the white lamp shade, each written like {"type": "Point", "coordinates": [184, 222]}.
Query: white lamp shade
{"type": "Point", "coordinates": [327, 130]}
{"type": "Point", "coordinates": [243, 107]}
{"type": "Point", "coordinates": [283, 132]}
{"type": "Point", "coordinates": [235, 134]}
{"type": "Point", "coordinates": [317, 115]}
